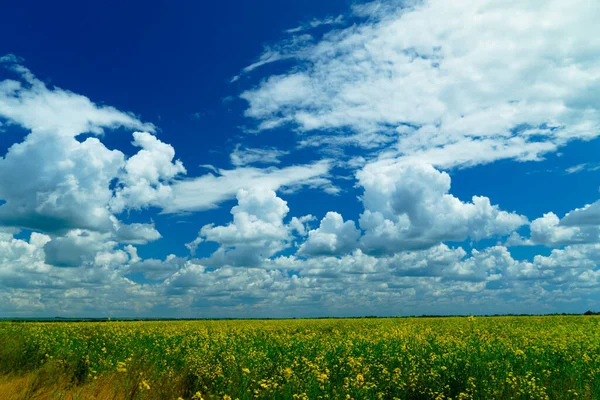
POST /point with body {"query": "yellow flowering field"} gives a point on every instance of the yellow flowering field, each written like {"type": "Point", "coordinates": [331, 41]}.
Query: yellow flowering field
{"type": "Point", "coordinates": [555, 357]}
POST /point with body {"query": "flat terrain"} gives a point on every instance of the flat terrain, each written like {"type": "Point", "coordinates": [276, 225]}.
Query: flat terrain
{"type": "Point", "coordinates": [407, 358]}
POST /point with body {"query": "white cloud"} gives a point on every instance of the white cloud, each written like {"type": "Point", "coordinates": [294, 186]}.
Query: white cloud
{"type": "Point", "coordinates": [408, 206]}
{"type": "Point", "coordinates": [135, 233]}
{"type": "Point", "coordinates": [300, 225]}
{"type": "Point", "coordinates": [439, 279]}
{"type": "Point", "coordinates": [207, 191]}
{"type": "Point", "coordinates": [245, 156]}
{"type": "Point", "coordinates": [34, 106]}
{"type": "Point", "coordinates": [256, 233]}
{"type": "Point", "coordinates": [575, 168]}
{"type": "Point", "coordinates": [474, 82]}
{"type": "Point", "coordinates": [281, 51]}
{"type": "Point", "coordinates": [22, 262]}
{"type": "Point", "coordinates": [582, 167]}
{"type": "Point", "coordinates": [147, 175]}
{"type": "Point", "coordinates": [10, 59]}
{"type": "Point", "coordinates": [332, 237]}
{"type": "Point", "coordinates": [315, 23]}
{"type": "Point", "coordinates": [55, 183]}
{"type": "Point", "coordinates": [579, 226]}
{"type": "Point", "coordinates": [514, 239]}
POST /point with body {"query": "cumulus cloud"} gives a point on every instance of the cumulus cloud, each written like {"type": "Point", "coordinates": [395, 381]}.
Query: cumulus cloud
{"type": "Point", "coordinates": [579, 226]}
{"type": "Point", "coordinates": [61, 183]}
{"type": "Point", "coordinates": [147, 175]}
{"type": "Point", "coordinates": [22, 262]}
{"type": "Point", "coordinates": [256, 233]}
{"type": "Point", "coordinates": [587, 215]}
{"type": "Point", "coordinates": [449, 83]}
{"type": "Point", "coordinates": [135, 233]}
{"type": "Point", "coordinates": [332, 237]}
{"type": "Point", "coordinates": [301, 225]}
{"type": "Point", "coordinates": [408, 206]}
{"type": "Point", "coordinates": [56, 183]}
{"type": "Point", "coordinates": [156, 269]}
{"type": "Point", "coordinates": [422, 281]}
{"type": "Point", "coordinates": [76, 248]}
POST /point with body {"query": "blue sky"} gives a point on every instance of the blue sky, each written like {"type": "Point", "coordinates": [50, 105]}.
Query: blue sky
{"type": "Point", "coordinates": [308, 158]}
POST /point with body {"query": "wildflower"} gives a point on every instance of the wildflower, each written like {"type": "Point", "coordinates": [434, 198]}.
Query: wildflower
{"type": "Point", "coordinates": [322, 378]}
{"type": "Point", "coordinates": [121, 367]}
{"type": "Point", "coordinates": [245, 370]}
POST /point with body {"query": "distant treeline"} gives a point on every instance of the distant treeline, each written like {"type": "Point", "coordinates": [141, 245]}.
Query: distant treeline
{"type": "Point", "coordinates": [108, 319]}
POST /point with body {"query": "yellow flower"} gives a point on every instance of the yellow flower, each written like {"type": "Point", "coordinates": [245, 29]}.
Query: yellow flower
{"type": "Point", "coordinates": [245, 370]}
{"type": "Point", "coordinates": [288, 372]}
{"type": "Point", "coordinates": [121, 367]}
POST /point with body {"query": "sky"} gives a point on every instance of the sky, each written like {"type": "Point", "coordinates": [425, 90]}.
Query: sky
{"type": "Point", "coordinates": [299, 158]}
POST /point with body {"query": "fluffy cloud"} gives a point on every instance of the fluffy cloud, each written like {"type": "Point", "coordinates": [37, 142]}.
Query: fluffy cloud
{"type": "Point", "coordinates": [256, 233]}
{"type": "Point", "coordinates": [22, 262]}
{"type": "Point", "coordinates": [333, 236]}
{"type": "Point", "coordinates": [61, 183]}
{"type": "Point", "coordinates": [451, 83]}
{"type": "Point", "coordinates": [300, 225]}
{"type": "Point", "coordinates": [56, 183]}
{"type": "Point", "coordinates": [581, 225]}
{"type": "Point", "coordinates": [423, 281]}
{"type": "Point", "coordinates": [135, 233]}
{"type": "Point", "coordinates": [408, 206]}
{"type": "Point", "coordinates": [147, 175]}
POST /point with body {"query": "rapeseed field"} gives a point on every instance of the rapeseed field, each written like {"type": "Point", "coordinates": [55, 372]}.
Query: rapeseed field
{"type": "Point", "coordinates": [553, 357]}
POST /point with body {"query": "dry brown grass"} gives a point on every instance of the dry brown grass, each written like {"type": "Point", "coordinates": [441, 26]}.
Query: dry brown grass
{"type": "Point", "coordinates": [36, 386]}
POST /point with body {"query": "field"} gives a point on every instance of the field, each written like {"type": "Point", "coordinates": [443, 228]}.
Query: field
{"type": "Point", "coordinates": [406, 358]}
